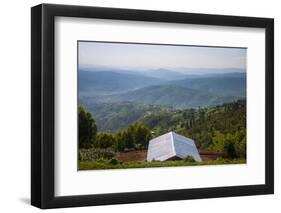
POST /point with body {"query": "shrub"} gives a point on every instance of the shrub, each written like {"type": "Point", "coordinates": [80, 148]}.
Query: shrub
{"type": "Point", "coordinates": [95, 154]}
{"type": "Point", "coordinates": [113, 161]}
{"type": "Point", "coordinates": [189, 159]}
{"type": "Point", "coordinates": [229, 149]}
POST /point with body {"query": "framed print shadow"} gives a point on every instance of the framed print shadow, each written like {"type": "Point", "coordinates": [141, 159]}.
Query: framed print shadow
{"type": "Point", "coordinates": [133, 106]}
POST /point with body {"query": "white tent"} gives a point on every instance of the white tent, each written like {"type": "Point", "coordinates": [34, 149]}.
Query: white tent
{"type": "Point", "coordinates": [172, 146]}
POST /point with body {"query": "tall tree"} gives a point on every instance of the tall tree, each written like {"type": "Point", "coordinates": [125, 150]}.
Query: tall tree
{"type": "Point", "coordinates": [87, 129]}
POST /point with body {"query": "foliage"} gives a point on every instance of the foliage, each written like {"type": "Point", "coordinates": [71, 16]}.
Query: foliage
{"type": "Point", "coordinates": [113, 161]}
{"type": "Point", "coordinates": [95, 154]}
{"type": "Point", "coordinates": [189, 159]}
{"type": "Point", "coordinates": [120, 144]}
{"type": "Point", "coordinates": [232, 145]}
{"type": "Point", "coordinates": [135, 137]}
{"type": "Point", "coordinates": [138, 136]}
{"type": "Point", "coordinates": [87, 128]}
{"type": "Point", "coordinates": [104, 140]}
{"type": "Point", "coordinates": [219, 129]}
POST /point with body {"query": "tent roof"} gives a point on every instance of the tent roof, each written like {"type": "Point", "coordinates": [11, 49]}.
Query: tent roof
{"type": "Point", "coordinates": [170, 145]}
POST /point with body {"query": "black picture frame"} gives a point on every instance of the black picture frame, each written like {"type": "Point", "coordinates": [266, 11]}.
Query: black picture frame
{"type": "Point", "coordinates": [43, 102]}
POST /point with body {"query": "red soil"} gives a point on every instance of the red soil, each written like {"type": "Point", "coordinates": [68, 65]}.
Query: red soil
{"type": "Point", "coordinates": [141, 155]}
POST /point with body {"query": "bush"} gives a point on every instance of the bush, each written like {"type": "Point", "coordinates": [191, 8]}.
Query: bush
{"type": "Point", "coordinates": [113, 161]}
{"type": "Point", "coordinates": [189, 159]}
{"type": "Point", "coordinates": [95, 154]}
{"type": "Point", "coordinates": [229, 149]}
{"type": "Point", "coordinates": [241, 148]}
{"type": "Point", "coordinates": [231, 145]}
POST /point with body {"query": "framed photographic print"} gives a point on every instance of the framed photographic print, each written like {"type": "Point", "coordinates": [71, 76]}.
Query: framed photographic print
{"type": "Point", "coordinates": [139, 106]}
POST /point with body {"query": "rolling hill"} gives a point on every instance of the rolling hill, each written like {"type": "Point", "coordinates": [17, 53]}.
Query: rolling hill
{"type": "Point", "coordinates": [219, 85]}
{"type": "Point", "coordinates": [118, 115]}
{"type": "Point", "coordinates": [117, 98]}
{"type": "Point", "coordinates": [171, 95]}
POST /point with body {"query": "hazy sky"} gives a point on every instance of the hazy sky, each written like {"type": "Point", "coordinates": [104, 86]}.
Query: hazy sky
{"type": "Point", "coordinates": [120, 55]}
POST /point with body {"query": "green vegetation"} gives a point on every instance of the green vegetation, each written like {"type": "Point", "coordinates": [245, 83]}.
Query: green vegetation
{"type": "Point", "coordinates": [87, 129]}
{"type": "Point", "coordinates": [219, 129]}
{"type": "Point", "coordinates": [96, 154]}
{"type": "Point", "coordinates": [115, 164]}
{"type": "Point", "coordinates": [117, 116]}
{"type": "Point", "coordinates": [135, 137]}
{"type": "Point", "coordinates": [189, 159]}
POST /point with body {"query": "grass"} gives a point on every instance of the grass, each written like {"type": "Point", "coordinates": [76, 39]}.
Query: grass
{"type": "Point", "coordinates": [109, 164]}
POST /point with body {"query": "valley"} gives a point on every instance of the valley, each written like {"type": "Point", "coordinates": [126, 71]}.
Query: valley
{"type": "Point", "coordinates": [118, 98]}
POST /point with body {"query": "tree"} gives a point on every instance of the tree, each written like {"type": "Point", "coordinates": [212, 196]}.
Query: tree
{"type": "Point", "coordinates": [241, 148]}
{"type": "Point", "coordinates": [87, 128]}
{"type": "Point", "coordinates": [202, 116]}
{"type": "Point", "coordinates": [104, 140]}
{"type": "Point", "coordinates": [136, 136]}
{"type": "Point", "coordinates": [142, 135]}
{"type": "Point", "coordinates": [128, 137]}
{"type": "Point", "coordinates": [119, 142]}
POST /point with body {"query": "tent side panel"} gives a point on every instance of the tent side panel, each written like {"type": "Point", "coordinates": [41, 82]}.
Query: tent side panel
{"type": "Point", "coordinates": [185, 147]}
{"type": "Point", "coordinates": [160, 148]}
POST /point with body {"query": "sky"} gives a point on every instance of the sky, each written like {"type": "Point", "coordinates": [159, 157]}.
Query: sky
{"type": "Point", "coordinates": [148, 56]}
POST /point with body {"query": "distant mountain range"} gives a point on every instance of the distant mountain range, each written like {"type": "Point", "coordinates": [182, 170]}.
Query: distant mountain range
{"type": "Point", "coordinates": [169, 74]}
{"type": "Point", "coordinates": [182, 73]}
{"type": "Point", "coordinates": [232, 84]}
{"type": "Point", "coordinates": [107, 82]}
{"type": "Point", "coordinates": [191, 91]}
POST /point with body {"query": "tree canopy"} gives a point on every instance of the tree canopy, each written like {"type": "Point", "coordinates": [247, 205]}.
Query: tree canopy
{"type": "Point", "coordinates": [87, 128]}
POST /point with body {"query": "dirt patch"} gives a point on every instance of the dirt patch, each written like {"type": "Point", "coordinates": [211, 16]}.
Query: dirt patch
{"type": "Point", "coordinates": [207, 155]}
{"type": "Point", "coordinates": [141, 156]}
{"type": "Point", "coordinates": [132, 156]}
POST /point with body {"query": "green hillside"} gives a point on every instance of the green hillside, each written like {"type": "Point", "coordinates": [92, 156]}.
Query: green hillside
{"type": "Point", "coordinates": [212, 128]}
{"type": "Point", "coordinates": [118, 115]}
{"type": "Point", "coordinates": [220, 129]}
